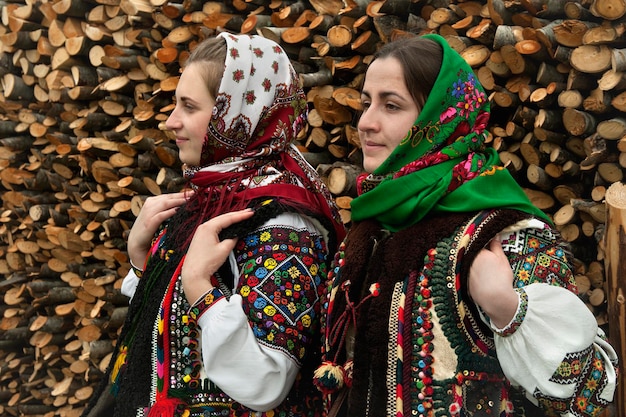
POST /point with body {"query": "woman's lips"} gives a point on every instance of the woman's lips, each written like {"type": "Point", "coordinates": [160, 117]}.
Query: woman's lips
{"type": "Point", "coordinates": [371, 145]}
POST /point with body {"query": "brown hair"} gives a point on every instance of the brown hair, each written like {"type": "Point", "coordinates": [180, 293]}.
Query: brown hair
{"type": "Point", "coordinates": [420, 59]}
{"type": "Point", "coordinates": [211, 55]}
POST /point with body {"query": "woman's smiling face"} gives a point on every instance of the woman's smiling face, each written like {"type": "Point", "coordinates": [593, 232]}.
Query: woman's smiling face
{"type": "Point", "coordinates": [389, 111]}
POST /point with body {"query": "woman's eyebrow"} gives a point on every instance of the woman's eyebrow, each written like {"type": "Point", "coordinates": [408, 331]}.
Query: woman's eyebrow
{"type": "Point", "coordinates": [384, 94]}
{"type": "Point", "coordinates": [184, 99]}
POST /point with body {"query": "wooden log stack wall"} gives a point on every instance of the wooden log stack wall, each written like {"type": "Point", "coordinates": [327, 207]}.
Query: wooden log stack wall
{"type": "Point", "coordinates": [86, 86]}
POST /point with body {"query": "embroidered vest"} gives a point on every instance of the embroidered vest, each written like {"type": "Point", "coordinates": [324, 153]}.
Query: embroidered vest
{"type": "Point", "coordinates": [420, 348]}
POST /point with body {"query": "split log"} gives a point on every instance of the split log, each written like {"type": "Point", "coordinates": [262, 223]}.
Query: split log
{"type": "Point", "coordinates": [608, 9]}
{"type": "Point", "coordinates": [341, 179]}
{"type": "Point", "coordinates": [86, 90]}
{"type": "Point", "coordinates": [615, 249]}
{"type": "Point", "coordinates": [591, 59]}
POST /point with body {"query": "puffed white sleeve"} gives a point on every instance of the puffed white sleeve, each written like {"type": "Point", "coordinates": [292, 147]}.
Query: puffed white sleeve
{"type": "Point", "coordinates": [553, 347]}
{"type": "Point", "coordinates": [252, 374]}
{"type": "Point", "coordinates": [253, 344]}
{"type": "Point", "coordinates": [557, 353]}
{"type": "Point", "coordinates": [129, 284]}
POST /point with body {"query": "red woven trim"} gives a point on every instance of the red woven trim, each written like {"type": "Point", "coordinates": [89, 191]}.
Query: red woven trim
{"type": "Point", "coordinates": [205, 302]}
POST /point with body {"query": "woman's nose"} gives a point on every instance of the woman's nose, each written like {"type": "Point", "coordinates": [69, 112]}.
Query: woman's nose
{"type": "Point", "coordinates": [367, 121]}
{"type": "Point", "coordinates": [172, 121]}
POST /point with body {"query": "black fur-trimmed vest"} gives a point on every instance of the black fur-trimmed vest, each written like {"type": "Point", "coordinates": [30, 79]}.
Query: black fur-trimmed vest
{"type": "Point", "coordinates": [133, 394]}
{"type": "Point", "coordinates": [418, 345]}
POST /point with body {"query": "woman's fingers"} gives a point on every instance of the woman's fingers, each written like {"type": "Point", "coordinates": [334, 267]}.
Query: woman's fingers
{"type": "Point", "coordinates": [491, 283]}
{"type": "Point", "coordinates": [221, 222]}
{"type": "Point", "coordinates": [154, 212]}
{"type": "Point", "coordinates": [208, 232]}
{"type": "Point", "coordinates": [164, 202]}
{"type": "Point", "coordinates": [495, 246]}
{"type": "Point", "coordinates": [207, 252]}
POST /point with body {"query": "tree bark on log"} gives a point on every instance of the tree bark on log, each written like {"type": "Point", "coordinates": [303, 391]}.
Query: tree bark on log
{"type": "Point", "coordinates": [615, 248]}
{"type": "Point", "coordinates": [87, 87]}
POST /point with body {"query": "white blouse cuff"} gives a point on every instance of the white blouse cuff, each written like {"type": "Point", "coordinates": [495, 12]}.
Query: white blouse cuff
{"type": "Point", "coordinates": [518, 318]}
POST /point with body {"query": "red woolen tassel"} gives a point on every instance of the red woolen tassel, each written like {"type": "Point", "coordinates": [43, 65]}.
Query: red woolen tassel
{"type": "Point", "coordinates": [164, 407]}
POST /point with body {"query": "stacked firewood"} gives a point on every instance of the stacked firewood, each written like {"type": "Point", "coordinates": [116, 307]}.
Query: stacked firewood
{"type": "Point", "coordinates": [87, 86]}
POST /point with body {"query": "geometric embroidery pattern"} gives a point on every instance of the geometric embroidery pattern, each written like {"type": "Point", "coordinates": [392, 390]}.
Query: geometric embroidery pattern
{"type": "Point", "coordinates": [586, 367]}
{"type": "Point", "coordinates": [536, 259]}
{"type": "Point", "coordinates": [282, 276]}
{"type": "Point", "coordinates": [572, 366]}
{"type": "Point", "coordinates": [280, 293]}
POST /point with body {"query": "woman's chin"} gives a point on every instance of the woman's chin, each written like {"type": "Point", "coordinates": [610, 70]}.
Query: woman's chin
{"type": "Point", "coordinates": [189, 160]}
{"type": "Point", "coordinates": [370, 165]}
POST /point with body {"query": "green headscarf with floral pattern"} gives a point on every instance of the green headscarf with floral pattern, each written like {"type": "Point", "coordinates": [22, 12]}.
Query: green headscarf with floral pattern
{"type": "Point", "coordinates": [443, 164]}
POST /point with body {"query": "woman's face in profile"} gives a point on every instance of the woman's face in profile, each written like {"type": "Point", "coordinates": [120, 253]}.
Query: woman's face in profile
{"type": "Point", "coordinates": [191, 116]}
{"type": "Point", "coordinates": [389, 111]}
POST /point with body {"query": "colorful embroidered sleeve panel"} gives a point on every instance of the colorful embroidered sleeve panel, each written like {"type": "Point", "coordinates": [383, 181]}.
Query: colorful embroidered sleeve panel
{"type": "Point", "coordinates": [535, 258]}
{"type": "Point", "coordinates": [282, 272]}
{"type": "Point", "coordinates": [266, 327]}
{"type": "Point", "coordinates": [576, 375]}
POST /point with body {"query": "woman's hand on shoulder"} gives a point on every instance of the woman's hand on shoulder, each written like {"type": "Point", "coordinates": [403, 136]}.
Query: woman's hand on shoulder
{"type": "Point", "coordinates": [207, 253]}
{"type": "Point", "coordinates": [154, 212]}
{"type": "Point", "coordinates": [491, 284]}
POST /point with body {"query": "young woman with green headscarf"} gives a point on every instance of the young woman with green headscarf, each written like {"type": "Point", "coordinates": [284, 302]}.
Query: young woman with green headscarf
{"type": "Point", "coordinates": [452, 294]}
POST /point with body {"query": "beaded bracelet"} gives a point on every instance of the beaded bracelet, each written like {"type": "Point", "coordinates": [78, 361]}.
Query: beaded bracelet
{"type": "Point", "coordinates": [138, 272]}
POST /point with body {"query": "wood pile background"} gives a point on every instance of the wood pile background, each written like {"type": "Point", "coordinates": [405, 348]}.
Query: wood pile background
{"type": "Point", "coordinates": [87, 85]}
